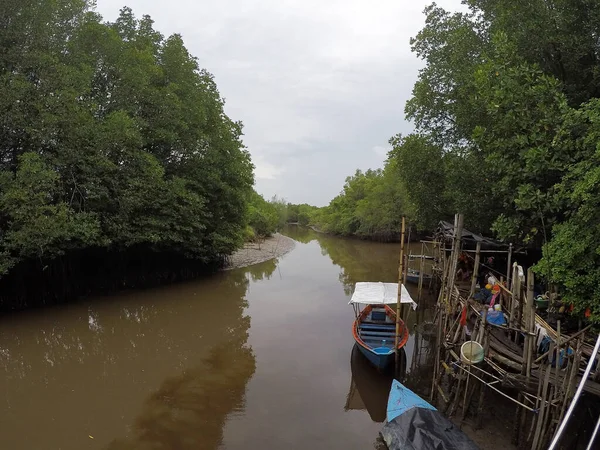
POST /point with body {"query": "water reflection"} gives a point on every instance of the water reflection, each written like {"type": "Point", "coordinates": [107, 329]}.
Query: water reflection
{"type": "Point", "coordinates": [79, 372]}
{"type": "Point", "coordinates": [359, 260]}
{"type": "Point", "coordinates": [262, 271]}
{"type": "Point", "coordinates": [369, 388]}
{"type": "Point", "coordinates": [189, 410]}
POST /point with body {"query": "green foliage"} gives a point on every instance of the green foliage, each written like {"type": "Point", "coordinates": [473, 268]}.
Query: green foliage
{"type": "Point", "coordinates": [40, 227]}
{"type": "Point", "coordinates": [263, 216]}
{"type": "Point", "coordinates": [506, 116]}
{"type": "Point", "coordinates": [452, 46]}
{"type": "Point", "coordinates": [371, 205]}
{"type": "Point", "coordinates": [281, 207]}
{"type": "Point", "coordinates": [301, 214]}
{"type": "Point", "coordinates": [572, 256]}
{"type": "Point", "coordinates": [561, 37]}
{"type": "Point", "coordinates": [523, 108]}
{"type": "Point", "coordinates": [419, 164]}
{"type": "Point", "coordinates": [112, 137]}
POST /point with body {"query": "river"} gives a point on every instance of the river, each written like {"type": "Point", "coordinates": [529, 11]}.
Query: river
{"type": "Point", "coordinates": [259, 357]}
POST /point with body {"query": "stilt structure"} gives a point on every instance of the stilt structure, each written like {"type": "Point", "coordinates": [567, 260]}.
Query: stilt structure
{"type": "Point", "coordinates": [513, 361]}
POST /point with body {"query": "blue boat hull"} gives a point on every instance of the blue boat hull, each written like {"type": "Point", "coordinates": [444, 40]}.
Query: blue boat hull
{"type": "Point", "coordinates": [413, 277]}
{"type": "Point", "coordinates": [380, 361]}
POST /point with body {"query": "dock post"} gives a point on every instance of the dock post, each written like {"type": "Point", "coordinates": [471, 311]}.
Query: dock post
{"type": "Point", "coordinates": [421, 270]}
{"type": "Point", "coordinates": [530, 323]}
{"type": "Point", "coordinates": [400, 276]}
{"type": "Point", "coordinates": [513, 295]}
{"type": "Point", "coordinates": [508, 265]}
{"type": "Point", "coordinates": [475, 269]}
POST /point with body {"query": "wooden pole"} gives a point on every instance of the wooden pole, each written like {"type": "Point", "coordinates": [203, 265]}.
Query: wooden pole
{"type": "Point", "coordinates": [421, 270]}
{"type": "Point", "coordinates": [475, 269]}
{"type": "Point", "coordinates": [508, 267]}
{"type": "Point", "coordinates": [400, 276]}
{"type": "Point", "coordinates": [518, 302]}
{"type": "Point", "coordinates": [405, 308]}
{"type": "Point", "coordinates": [513, 296]}
{"type": "Point", "coordinates": [455, 252]}
{"type": "Point", "coordinates": [542, 413]}
{"type": "Point", "coordinates": [531, 316]}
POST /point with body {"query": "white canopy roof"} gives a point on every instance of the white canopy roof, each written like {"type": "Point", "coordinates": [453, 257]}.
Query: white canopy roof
{"type": "Point", "coordinates": [377, 293]}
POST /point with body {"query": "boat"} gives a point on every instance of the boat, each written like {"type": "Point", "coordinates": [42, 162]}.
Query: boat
{"type": "Point", "coordinates": [374, 327]}
{"type": "Point", "coordinates": [412, 423]}
{"type": "Point", "coordinates": [412, 276]}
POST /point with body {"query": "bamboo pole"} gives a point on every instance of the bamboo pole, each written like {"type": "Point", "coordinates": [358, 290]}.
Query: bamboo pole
{"type": "Point", "coordinates": [398, 304]}
{"type": "Point", "coordinates": [557, 357]}
{"type": "Point", "coordinates": [536, 419]}
{"type": "Point", "coordinates": [438, 346]}
{"type": "Point", "coordinates": [571, 380]}
{"type": "Point", "coordinates": [542, 413]}
{"type": "Point", "coordinates": [455, 251]}
{"type": "Point", "coordinates": [519, 310]}
{"type": "Point", "coordinates": [421, 270]}
{"type": "Point", "coordinates": [513, 297]}
{"type": "Point", "coordinates": [496, 389]}
{"type": "Point", "coordinates": [530, 319]}
{"type": "Point", "coordinates": [510, 250]}
{"type": "Point", "coordinates": [475, 270]}
{"type": "Point", "coordinates": [526, 341]}
{"type": "Point", "coordinates": [488, 251]}
{"type": "Point", "coordinates": [486, 349]}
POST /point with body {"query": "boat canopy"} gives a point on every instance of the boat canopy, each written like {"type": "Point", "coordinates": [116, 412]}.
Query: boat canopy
{"type": "Point", "coordinates": [377, 293]}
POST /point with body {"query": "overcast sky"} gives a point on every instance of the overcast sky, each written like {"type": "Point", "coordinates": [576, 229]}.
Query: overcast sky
{"type": "Point", "coordinates": [320, 85]}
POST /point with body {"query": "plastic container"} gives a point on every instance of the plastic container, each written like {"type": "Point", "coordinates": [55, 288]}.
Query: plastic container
{"type": "Point", "coordinates": [471, 352]}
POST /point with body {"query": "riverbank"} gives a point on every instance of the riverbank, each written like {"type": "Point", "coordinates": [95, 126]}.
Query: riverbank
{"type": "Point", "coordinates": [253, 253]}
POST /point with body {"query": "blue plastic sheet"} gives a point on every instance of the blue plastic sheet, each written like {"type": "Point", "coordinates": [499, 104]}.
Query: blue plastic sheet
{"type": "Point", "coordinates": [496, 318]}
{"type": "Point", "coordinates": [413, 424]}
{"type": "Point", "coordinates": [401, 399]}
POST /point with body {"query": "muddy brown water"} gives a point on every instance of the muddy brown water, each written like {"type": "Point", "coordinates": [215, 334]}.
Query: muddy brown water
{"type": "Point", "coordinates": [253, 358]}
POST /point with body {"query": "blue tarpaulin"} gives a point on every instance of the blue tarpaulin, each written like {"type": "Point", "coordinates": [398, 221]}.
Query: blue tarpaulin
{"type": "Point", "coordinates": [413, 424]}
{"type": "Point", "coordinates": [402, 399]}
{"type": "Point", "coordinates": [496, 318]}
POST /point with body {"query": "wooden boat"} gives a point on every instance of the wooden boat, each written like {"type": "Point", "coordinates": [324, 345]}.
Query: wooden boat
{"type": "Point", "coordinates": [375, 334]}
{"type": "Point", "coordinates": [412, 276]}
{"type": "Point", "coordinates": [374, 327]}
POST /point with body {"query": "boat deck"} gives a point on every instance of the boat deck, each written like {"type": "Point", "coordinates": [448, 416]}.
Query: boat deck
{"type": "Point", "coordinates": [377, 333]}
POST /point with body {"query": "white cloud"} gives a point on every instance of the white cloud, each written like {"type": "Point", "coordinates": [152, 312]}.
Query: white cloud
{"type": "Point", "coordinates": [380, 151]}
{"type": "Point", "coordinates": [318, 84]}
{"type": "Point", "coordinates": [266, 171]}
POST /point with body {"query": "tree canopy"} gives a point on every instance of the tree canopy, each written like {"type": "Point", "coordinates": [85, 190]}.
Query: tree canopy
{"type": "Point", "coordinates": [113, 137]}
